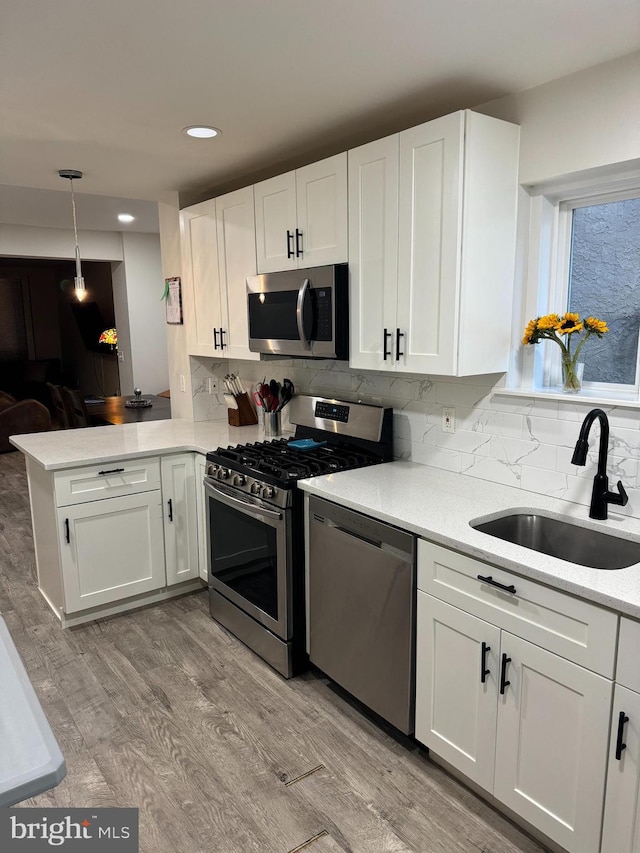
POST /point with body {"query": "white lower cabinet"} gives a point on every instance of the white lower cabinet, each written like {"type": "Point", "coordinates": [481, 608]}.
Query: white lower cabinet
{"type": "Point", "coordinates": [180, 525]}
{"type": "Point", "coordinates": [520, 721]}
{"type": "Point", "coordinates": [111, 549]}
{"type": "Point", "coordinates": [116, 535]}
{"type": "Point", "coordinates": [621, 831]}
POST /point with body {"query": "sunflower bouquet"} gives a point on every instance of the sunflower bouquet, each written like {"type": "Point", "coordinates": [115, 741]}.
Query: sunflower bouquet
{"type": "Point", "coordinates": [564, 329]}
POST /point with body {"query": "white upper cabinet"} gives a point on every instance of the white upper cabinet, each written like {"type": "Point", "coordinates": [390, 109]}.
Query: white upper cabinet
{"type": "Point", "coordinates": [201, 279]}
{"type": "Point", "coordinates": [237, 260]}
{"type": "Point", "coordinates": [430, 283]}
{"type": "Point", "coordinates": [218, 253]}
{"type": "Point", "coordinates": [301, 217]}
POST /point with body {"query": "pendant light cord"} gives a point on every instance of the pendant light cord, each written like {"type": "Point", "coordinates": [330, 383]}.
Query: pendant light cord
{"type": "Point", "coordinates": [75, 231]}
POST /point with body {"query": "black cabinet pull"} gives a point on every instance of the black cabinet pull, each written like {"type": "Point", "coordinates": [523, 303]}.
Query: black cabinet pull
{"type": "Point", "coordinates": [503, 674]}
{"type": "Point", "coordinates": [67, 535]}
{"type": "Point", "coordinates": [399, 335]}
{"type": "Point", "coordinates": [620, 746]}
{"type": "Point", "coordinates": [215, 339]}
{"type": "Point", "coordinates": [111, 471]}
{"type": "Point", "coordinates": [222, 343]}
{"type": "Point", "coordinates": [488, 579]}
{"type": "Point", "coordinates": [290, 252]}
{"type": "Point", "coordinates": [385, 354]}
{"type": "Point", "coordinates": [298, 243]}
{"type": "Point", "coordinates": [484, 672]}
{"type": "Point", "coordinates": [170, 503]}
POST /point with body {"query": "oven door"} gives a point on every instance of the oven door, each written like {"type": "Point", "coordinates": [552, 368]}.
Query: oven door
{"type": "Point", "coordinates": [249, 555]}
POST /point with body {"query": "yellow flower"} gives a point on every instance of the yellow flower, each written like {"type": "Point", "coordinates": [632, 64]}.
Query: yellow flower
{"type": "Point", "coordinates": [569, 323]}
{"type": "Point", "coordinates": [528, 332]}
{"type": "Point", "coordinates": [592, 324]}
{"type": "Point", "coordinates": [549, 322]}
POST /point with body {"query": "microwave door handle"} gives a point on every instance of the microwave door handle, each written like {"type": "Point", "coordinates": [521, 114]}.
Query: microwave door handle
{"type": "Point", "coordinates": [302, 293]}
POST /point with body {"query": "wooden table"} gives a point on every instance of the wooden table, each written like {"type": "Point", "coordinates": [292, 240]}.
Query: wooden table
{"type": "Point", "coordinates": [114, 411]}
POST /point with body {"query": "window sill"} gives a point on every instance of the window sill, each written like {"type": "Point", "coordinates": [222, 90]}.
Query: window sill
{"type": "Point", "coordinates": [584, 396]}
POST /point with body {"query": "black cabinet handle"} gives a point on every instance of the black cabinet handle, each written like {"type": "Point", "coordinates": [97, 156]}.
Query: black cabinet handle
{"type": "Point", "coordinates": [215, 339]}
{"type": "Point", "coordinates": [488, 579]}
{"type": "Point", "coordinates": [298, 243]}
{"type": "Point", "coordinates": [620, 746]}
{"type": "Point", "coordinates": [484, 672]}
{"type": "Point", "coordinates": [111, 471]}
{"type": "Point", "coordinates": [290, 252]}
{"type": "Point", "coordinates": [170, 503]}
{"type": "Point", "coordinates": [386, 334]}
{"type": "Point", "coordinates": [67, 535]}
{"type": "Point", "coordinates": [503, 674]}
{"type": "Point", "coordinates": [399, 335]}
{"type": "Point", "coordinates": [222, 343]}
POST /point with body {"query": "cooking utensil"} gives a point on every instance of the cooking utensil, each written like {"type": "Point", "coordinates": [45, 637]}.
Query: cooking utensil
{"type": "Point", "coordinates": [258, 400]}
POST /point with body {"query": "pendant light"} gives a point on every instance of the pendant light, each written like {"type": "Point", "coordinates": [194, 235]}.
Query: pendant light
{"type": "Point", "coordinates": [79, 286]}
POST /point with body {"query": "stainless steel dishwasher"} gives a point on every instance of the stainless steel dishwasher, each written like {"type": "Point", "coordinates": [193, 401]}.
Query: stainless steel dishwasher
{"type": "Point", "coordinates": [362, 608]}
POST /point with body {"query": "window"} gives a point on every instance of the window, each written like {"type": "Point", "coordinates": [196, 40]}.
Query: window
{"type": "Point", "coordinates": [604, 281]}
{"type": "Point", "coordinates": [583, 257]}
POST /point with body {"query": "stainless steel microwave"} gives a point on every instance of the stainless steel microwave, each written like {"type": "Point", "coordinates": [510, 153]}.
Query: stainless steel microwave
{"type": "Point", "coordinates": [303, 313]}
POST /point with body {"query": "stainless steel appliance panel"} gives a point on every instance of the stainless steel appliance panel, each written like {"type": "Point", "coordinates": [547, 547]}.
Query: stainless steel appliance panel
{"type": "Point", "coordinates": [250, 556]}
{"type": "Point", "coordinates": [362, 608]}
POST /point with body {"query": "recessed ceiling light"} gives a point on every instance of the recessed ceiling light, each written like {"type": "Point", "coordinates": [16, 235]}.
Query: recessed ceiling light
{"type": "Point", "coordinates": [201, 131]}
{"type": "Point", "coordinates": [125, 217]}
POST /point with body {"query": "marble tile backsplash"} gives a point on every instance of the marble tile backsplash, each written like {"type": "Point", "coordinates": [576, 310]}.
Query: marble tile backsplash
{"type": "Point", "coordinates": [520, 441]}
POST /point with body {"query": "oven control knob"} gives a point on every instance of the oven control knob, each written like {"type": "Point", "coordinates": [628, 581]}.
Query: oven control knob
{"type": "Point", "coordinates": [239, 480]}
{"type": "Point", "coordinates": [269, 492]}
{"type": "Point", "coordinates": [255, 488]}
{"type": "Point", "coordinates": [211, 469]}
{"type": "Point", "coordinates": [224, 473]}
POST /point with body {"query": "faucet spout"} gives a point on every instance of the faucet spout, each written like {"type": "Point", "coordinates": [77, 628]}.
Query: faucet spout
{"type": "Point", "coordinates": [600, 496]}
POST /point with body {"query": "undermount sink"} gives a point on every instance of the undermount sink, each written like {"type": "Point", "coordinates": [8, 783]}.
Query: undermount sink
{"type": "Point", "coordinates": [562, 539]}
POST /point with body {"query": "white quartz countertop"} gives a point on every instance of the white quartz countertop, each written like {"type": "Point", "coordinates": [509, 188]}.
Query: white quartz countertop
{"type": "Point", "coordinates": [438, 505]}
{"type": "Point", "coordinates": [72, 448]}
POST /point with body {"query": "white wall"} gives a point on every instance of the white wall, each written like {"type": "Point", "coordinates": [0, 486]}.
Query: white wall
{"type": "Point", "coordinates": [146, 313]}
{"type": "Point", "coordinates": [22, 241]}
{"type": "Point", "coordinates": [586, 120]}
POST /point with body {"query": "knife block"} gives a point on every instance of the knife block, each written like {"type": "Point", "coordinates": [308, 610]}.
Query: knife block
{"type": "Point", "coordinates": [244, 415]}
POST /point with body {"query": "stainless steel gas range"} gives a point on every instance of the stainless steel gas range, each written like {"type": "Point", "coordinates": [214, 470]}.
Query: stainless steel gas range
{"type": "Point", "coordinates": [255, 520]}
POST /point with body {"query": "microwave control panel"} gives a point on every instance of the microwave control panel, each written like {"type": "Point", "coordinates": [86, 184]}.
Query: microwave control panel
{"type": "Point", "coordinates": [324, 314]}
{"type": "Point", "coordinates": [332, 412]}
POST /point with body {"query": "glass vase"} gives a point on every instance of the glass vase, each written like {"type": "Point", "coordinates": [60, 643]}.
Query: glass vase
{"type": "Point", "coordinates": [571, 375]}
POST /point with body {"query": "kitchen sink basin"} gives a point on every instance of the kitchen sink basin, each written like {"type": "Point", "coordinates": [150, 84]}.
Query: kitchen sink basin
{"type": "Point", "coordinates": [563, 539]}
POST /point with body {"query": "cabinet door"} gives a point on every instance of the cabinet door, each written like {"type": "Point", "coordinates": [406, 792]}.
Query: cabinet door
{"type": "Point", "coordinates": [373, 252]}
{"type": "Point", "coordinates": [275, 216]}
{"type": "Point", "coordinates": [180, 523]}
{"type": "Point", "coordinates": [111, 549]}
{"type": "Point", "coordinates": [201, 274]}
{"type": "Point", "coordinates": [456, 687]}
{"type": "Point", "coordinates": [237, 260]}
{"type": "Point", "coordinates": [321, 193]}
{"type": "Point", "coordinates": [201, 513]}
{"type": "Point", "coordinates": [430, 221]}
{"type": "Point", "coordinates": [621, 833]}
{"type": "Point", "coordinates": [553, 733]}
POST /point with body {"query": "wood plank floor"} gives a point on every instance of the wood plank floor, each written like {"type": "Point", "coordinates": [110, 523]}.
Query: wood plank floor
{"type": "Point", "coordinates": [163, 710]}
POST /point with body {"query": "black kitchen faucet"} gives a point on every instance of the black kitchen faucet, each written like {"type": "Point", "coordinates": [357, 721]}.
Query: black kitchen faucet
{"type": "Point", "coordinates": [600, 496]}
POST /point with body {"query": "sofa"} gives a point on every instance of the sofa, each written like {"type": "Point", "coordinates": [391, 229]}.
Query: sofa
{"type": "Point", "coordinates": [27, 379]}
{"type": "Point", "coordinates": [20, 416]}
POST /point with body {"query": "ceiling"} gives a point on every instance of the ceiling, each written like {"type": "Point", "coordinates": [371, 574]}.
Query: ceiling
{"type": "Point", "coordinates": [106, 87]}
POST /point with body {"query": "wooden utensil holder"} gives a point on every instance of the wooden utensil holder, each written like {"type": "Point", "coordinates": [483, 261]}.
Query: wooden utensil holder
{"type": "Point", "coordinates": [244, 415]}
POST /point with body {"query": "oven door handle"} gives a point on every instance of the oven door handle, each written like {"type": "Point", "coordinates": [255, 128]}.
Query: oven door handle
{"type": "Point", "coordinates": [302, 293]}
{"type": "Point", "coordinates": [229, 499]}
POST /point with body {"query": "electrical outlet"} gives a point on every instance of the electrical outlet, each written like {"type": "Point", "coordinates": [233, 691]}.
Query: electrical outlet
{"type": "Point", "coordinates": [120, 355]}
{"type": "Point", "coordinates": [448, 419]}
{"type": "Point", "coordinates": [213, 384]}
{"type": "Point", "coordinates": [183, 384]}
